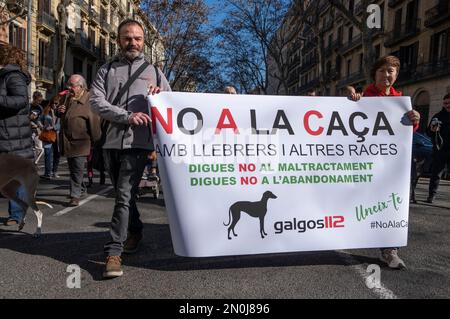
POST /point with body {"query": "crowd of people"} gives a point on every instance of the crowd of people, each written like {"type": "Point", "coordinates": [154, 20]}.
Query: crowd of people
{"type": "Point", "coordinates": [108, 128]}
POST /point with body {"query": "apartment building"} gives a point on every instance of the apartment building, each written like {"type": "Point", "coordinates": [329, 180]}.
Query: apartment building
{"type": "Point", "coordinates": [416, 31]}
{"type": "Point", "coordinates": [92, 30]}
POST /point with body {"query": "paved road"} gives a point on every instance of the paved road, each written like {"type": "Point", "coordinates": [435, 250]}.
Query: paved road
{"type": "Point", "coordinates": [36, 268]}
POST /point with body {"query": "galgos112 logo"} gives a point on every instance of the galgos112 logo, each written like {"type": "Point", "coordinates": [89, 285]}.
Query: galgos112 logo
{"type": "Point", "coordinates": [302, 226]}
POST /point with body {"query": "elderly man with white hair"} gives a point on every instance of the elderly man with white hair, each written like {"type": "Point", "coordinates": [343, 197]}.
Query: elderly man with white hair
{"type": "Point", "coordinates": [80, 128]}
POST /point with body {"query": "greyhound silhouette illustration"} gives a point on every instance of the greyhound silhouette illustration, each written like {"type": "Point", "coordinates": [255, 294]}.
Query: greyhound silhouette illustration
{"type": "Point", "coordinates": [254, 209]}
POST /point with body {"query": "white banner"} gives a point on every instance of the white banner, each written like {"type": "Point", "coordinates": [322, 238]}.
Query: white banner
{"type": "Point", "coordinates": [247, 174]}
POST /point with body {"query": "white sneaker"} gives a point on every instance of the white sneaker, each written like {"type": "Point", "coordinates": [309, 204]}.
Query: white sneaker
{"type": "Point", "coordinates": [390, 257]}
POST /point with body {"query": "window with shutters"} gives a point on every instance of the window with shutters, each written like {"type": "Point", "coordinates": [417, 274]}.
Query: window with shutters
{"type": "Point", "coordinates": [377, 51]}
{"type": "Point", "coordinates": [92, 36]}
{"type": "Point", "coordinates": [409, 55]}
{"type": "Point", "coordinates": [349, 67]}
{"type": "Point", "coordinates": [102, 48]}
{"type": "Point", "coordinates": [77, 66]}
{"type": "Point", "coordinates": [440, 46]}
{"type": "Point", "coordinates": [45, 6]}
{"type": "Point", "coordinates": [44, 54]}
{"type": "Point", "coordinates": [17, 36]}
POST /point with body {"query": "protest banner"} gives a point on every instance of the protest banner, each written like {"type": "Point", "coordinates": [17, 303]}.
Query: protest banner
{"type": "Point", "coordinates": [247, 174]}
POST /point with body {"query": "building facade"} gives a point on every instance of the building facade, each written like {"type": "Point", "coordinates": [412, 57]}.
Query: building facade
{"type": "Point", "coordinates": [416, 31]}
{"type": "Point", "coordinates": [92, 37]}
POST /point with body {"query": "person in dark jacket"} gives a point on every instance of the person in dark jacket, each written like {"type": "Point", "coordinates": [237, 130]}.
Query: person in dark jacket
{"type": "Point", "coordinates": [15, 130]}
{"type": "Point", "coordinates": [439, 131]}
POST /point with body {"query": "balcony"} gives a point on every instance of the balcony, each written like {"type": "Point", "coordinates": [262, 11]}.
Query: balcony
{"type": "Point", "coordinates": [423, 72]}
{"type": "Point", "coordinates": [438, 14]}
{"type": "Point", "coordinates": [406, 32]}
{"type": "Point", "coordinates": [46, 23]}
{"type": "Point", "coordinates": [310, 85]}
{"type": "Point", "coordinates": [293, 79]}
{"type": "Point", "coordinates": [295, 61]}
{"type": "Point", "coordinates": [394, 3]}
{"type": "Point", "coordinates": [331, 47]}
{"type": "Point", "coordinates": [104, 24]}
{"type": "Point", "coordinates": [328, 25]}
{"type": "Point", "coordinates": [306, 65]}
{"type": "Point", "coordinates": [44, 74]}
{"type": "Point", "coordinates": [353, 44]}
{"type": "Point", "coordinates": [377, 32]}
{"type": "Point", "coordinates": [324, 7]}
{"type": "Point", "coordinates": [94, 17]}
{"type": "Point", "coordinates": [112, 32]}
{"type": "Point", "coordinates": [108, 28]}
{"type": "Point", "coordinates": [359, 9]}
{"type": "Point", "coordinates": [97, 51]}
{"type": "Point", "coordinates": [84, 6]}
{"type": "Point", "coordinates": [308, 46]}
{"type": "Point", "coordinates": [352, 79]}
{"type": "Point", "coordinates": [123, 9]}
{"type": "Point", "coordinates": [331, 75]}
{"type": "Point", "coordinates": [82, 45]}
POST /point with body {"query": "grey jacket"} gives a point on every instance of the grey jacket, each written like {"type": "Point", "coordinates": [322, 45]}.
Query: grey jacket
{"type": "Point", "coordinates": [120, 134]}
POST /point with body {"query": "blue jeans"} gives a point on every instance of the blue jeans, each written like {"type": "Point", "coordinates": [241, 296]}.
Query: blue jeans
{"type": "Point", "coordinates": [15, 211]}
{"type": "Point", "coordinates": [48, 156]}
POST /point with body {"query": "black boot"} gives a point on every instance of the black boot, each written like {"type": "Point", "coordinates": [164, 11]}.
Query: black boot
{"type": "Point", "coordinates": [90, 182]}
{"type": "Point", "coordinates": [102, 178]}
{"type": "Point", "coordinates": [413, 197]}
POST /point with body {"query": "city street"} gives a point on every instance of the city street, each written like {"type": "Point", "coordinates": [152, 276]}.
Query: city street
{"type": "Point", "coordinates": [37, 268]}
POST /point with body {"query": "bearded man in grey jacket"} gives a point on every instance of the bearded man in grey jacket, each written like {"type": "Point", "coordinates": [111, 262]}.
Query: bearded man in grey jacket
{"type": "Point", "coordinates": [128, 138]}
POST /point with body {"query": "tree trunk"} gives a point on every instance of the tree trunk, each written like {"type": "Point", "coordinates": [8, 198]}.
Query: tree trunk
{"type": "Point", "coordinates": [62, 37]}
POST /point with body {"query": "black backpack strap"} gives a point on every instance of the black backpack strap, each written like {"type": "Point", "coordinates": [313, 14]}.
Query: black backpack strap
{"type": "Point", "coordinates": [104, 125]}
{"type": "Point", "coordinates": [108, 68]}
{"type": "Point", "coordinates": [158, 76]}
{"type": "Point", "coordinates": [130, 81]}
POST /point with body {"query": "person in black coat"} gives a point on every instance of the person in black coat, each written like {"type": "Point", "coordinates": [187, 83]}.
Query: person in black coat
{"type": "Point", "coordinates": [15, 130]}
{"type": "Point", "coordinates": [439, 131]}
